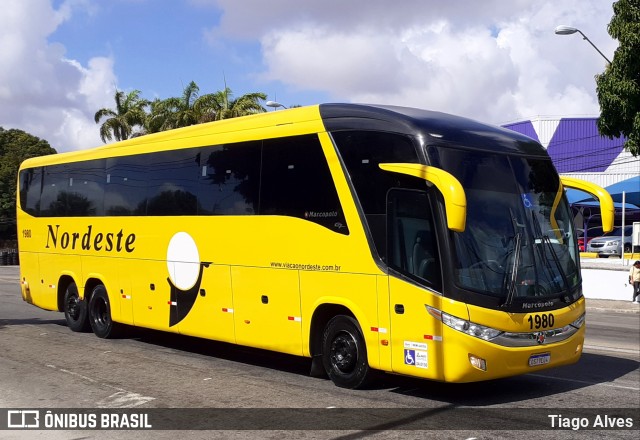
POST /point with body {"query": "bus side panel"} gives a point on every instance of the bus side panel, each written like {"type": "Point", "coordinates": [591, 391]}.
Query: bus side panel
{"type": "Point", "coordinates": [52, 267]}
{"type": "Point", "coordinates": [113, 273]}
{"type": "Point", "coordinates": [384, 322]}
{"type": "Point", "coordinates": [30, 277]}
{"type": "Point", "coordinates": [212, 313]}
{"type": "Point", "coordinates": [267, 308]}
{"type": "Point", "coordinates": [356, 292]}
{"type": "Point", "coordinates": [150, 293]}
{"type": "Point", "coordinates": [416, 336]}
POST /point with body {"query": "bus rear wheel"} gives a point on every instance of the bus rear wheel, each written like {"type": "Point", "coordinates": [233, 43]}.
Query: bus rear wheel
{"type": "Point", "coordinates": [75, 309]}
{"type": "Point", "coordinates": [100, 314]}
{"type": "Point", "coordinates": [344, 353]}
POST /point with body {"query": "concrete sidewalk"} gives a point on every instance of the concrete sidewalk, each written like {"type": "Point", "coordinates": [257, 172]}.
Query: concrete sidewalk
{"type": "Point", "coordinates": [605, 284]}
{"type": "Point", "coordinates": [611, 305]}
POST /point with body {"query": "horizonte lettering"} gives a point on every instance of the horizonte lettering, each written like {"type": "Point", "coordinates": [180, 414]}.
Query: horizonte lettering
{"type": "Point", "coordinates": [108, 242]}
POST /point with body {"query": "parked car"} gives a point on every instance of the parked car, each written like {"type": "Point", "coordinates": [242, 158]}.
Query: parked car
{"type": "Point", "coordinates": [596, 231]}
{"type": "Point", "coordinates": [611, 242]}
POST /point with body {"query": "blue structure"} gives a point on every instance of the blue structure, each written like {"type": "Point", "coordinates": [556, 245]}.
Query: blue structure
{"type": "Point", "coordinates": [576, 146]}
{"type": "Point", "coordinates": [579, 150]}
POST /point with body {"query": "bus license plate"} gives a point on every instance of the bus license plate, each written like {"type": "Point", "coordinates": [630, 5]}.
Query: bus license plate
{"type": "Point", "coordinates": [539, 359]}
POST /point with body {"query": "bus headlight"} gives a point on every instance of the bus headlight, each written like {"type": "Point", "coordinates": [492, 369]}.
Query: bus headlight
{"type": "Point", "coordinates": [470, 328]}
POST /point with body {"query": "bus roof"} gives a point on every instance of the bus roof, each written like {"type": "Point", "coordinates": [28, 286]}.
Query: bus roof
{"type": "Point", "coordinates": [435, 127]}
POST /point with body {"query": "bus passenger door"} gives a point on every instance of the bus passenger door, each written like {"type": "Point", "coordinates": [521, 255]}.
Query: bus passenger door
{"type": "Point", "coordinates": [267, 308]}
{"type": "Point", "coordinates": [414, 283]}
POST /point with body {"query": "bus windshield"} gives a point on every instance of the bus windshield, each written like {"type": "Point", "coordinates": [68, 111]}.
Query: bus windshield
{"type": "Point", "coordinates": [519, 238]}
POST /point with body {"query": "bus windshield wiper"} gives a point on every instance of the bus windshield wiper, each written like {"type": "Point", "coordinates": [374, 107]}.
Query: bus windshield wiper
{"type": "Point", "coordinates": [517, 248]}
{"type": "Point", "coordinates": [546, 240]}
{"type": "Point", "coordinates": [546, 243]}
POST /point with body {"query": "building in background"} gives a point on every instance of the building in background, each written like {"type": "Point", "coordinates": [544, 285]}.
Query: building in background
{"type": "Point", "coordinates": [579, 150]}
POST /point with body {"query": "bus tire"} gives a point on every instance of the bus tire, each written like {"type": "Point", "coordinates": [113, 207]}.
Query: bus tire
{"type": "Point", "coordinates": [75, 309]}
{"type": "Point", "coordinates": [344, 353]}
{"type": "Point", "coordinates": [100, 314]}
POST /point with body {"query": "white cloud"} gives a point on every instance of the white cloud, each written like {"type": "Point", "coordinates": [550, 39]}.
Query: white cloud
{"type": "Point", "coordinates": [492, 60]}
{"type": "Point", "coordinates": [41, 91]}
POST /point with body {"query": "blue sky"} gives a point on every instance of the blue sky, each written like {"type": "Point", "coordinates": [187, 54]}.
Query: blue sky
{"type": "Point", "coordinates": [160, 46]}
{"type": "Point", "coordinates": [494, 60]}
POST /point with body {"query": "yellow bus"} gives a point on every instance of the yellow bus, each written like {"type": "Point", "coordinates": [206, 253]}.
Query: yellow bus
{"type": "Point", "coordinates": [367, 238]}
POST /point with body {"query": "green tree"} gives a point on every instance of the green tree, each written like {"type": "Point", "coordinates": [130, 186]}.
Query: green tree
{"type": "Point", "coordinates": [176, 112]}
{"type": "Point", "coordinates": [225, 107]}
{"type": "Point", "coordinates": [15, 147]}
{"type": "Point", "coordinates": [120, 122]}
{"type": "Point", "coordinates": [192, 108]}
{"type": "Point", "coordinates": [618, 88]}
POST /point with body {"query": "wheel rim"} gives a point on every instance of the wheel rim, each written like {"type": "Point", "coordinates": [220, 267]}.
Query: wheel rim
{"type": "Point", "coordinates": [100, 314]}
{"type": "Point", "coordinates": [344, 353]}
{"type": "Point", "coordinates": [73, 307]}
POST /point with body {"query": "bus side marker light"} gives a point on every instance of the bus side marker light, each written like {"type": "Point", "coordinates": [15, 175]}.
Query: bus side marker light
{"type": "Point", "coordinates": [126, 296]}
{"type": "Point", "coordinates": [226, 310]}
{"type": "Point", "coordinates": [294, 318]}
{"type": "Point", "coordinates": [379, 329]}
{"type": "Point", "coordinates": [246, 321]}
{"type": "Point", "coordinates": [433, 338]}
{"type": "Point", "coordinates": [52, 286]}
{"type": "Point", "coordinates": [384, 342]}
{"type": "Point", "coordinates": [172, 303]}
{"type": "Point", "coordinates": [478, 363]}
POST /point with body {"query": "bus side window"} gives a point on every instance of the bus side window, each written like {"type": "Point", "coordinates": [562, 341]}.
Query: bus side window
{"type": "Point", "coordinates": [125, 189]}
{"type": "Point", "coordinates": [85, 193]}
{"type": "Point", "coordinates": [296, 182]}
{"type": "Point", "coordinates": [412, 244]}
{"type": "Point", "coordinates": [361, 152]}
{"type": "Point", "coordinates": [172, 180]}
{"type": "Point", "coordinates": [230, 179]}
{"type": "Point", "coordinates": [30, 188]}
{"type": "Point", "coordinates": [53, 201]}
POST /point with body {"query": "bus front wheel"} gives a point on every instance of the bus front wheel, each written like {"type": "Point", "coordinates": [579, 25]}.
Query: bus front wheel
{"type": "Point", "coordinates": [344, 353]}
{"type": "Point", "coordinates": [100, 314]}
{"type": "Point", "coordinates": [75, 309]}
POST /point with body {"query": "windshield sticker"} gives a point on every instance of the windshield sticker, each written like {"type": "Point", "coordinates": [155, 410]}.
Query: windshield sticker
{"type": "Point", "coordinates": [415, 345]}
{"type": "Point", "coordinates": [527, 201]}
{"type": "Point", "coordinates": [416, 358]}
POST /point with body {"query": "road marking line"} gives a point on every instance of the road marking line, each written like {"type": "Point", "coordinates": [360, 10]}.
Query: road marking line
{"type": "Point", "coordinates": [120, 399]}
{"type": "Point", "coordinates": [62, 370]}
{"type": "Point", "coordinates": [123, 399]}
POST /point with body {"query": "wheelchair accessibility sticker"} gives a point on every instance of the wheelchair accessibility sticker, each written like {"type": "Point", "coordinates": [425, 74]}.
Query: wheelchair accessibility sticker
{"type": "Point", "coordinates": [416, 358]}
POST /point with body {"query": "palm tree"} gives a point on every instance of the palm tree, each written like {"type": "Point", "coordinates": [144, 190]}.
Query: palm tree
{"type": "Point", "coordinates": [223, 106]}
{"type": "Point", "coordinates": [175, 112]}
{"type": "Point", "coordinates": [193, 109]}
{"type": "Point", "coordinates": [119, 123]}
